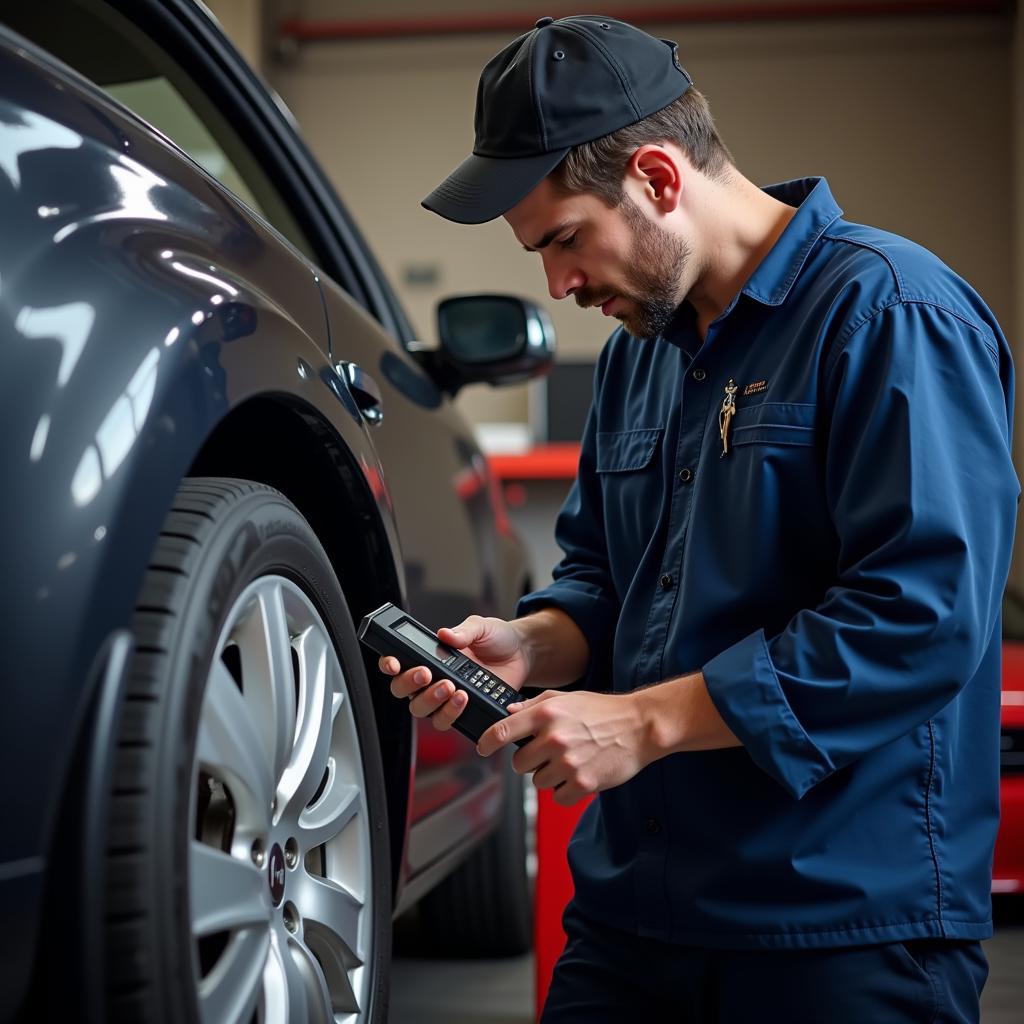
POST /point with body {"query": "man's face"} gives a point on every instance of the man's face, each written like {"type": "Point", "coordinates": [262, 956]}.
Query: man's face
{"type": "Point", "coordinates": [617, 260]}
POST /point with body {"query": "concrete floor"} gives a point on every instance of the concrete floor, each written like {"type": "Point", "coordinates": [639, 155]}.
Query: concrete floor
{"type": "Point", "coordinates": [501, 991]}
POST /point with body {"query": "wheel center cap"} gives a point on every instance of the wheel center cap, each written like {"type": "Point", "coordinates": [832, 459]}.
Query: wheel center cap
{"type": "Point", "coordinates": [275, 874]}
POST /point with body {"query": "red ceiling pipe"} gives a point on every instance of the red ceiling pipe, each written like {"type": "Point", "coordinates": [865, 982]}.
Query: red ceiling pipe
{"type": "Point", "coordinates": [723, 13]}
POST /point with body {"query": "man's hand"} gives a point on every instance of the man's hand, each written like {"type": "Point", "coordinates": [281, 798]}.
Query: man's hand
{"type": "Point", "coordinates": [586, 742]}
{"type": "Point", "coordinates": [494, 643]}
{"type": "Point", "coordinates": [582, 742]}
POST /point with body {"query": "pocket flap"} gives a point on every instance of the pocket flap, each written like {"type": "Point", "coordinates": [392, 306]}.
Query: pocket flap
{"type": "Point", "coordinates": [623, 450]}
{"type": "Point", "coordinates": [774, 423]}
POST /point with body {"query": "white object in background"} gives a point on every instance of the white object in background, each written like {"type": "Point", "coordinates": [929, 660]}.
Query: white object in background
{"type": "Point", "coordinates": [504, 438]}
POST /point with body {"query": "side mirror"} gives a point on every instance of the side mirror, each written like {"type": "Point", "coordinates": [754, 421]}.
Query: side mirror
{"type": "Point", "coordinates": [499, 339]}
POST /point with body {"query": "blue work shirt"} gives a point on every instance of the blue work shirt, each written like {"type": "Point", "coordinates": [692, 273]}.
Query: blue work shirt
{"type": "Point", "coordinates": [837, 577]}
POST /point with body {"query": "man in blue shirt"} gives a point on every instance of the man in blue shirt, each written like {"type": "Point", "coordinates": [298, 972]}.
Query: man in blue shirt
{"type": "Point", "coordinates": [785, 552]}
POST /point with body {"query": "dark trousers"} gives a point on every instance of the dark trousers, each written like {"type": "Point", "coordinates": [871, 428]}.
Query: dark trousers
{"type": "Point", "coordinates": [604, 975]}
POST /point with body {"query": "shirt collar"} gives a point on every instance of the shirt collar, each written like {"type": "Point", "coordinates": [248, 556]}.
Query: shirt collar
{"type": "Point", "coordinates": [816, 210]}
{"type": "Point", "coordinates": [771, 282]}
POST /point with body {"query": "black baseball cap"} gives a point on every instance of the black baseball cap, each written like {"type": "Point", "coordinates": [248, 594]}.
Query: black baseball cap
{"type": "Point", "coordinates": [564, 82]}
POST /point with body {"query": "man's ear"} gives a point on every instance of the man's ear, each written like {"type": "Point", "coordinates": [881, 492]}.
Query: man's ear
{"type": "Point", "coordinates": [659, 174]}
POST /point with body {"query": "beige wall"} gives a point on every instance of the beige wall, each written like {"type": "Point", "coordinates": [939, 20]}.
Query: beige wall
{"type": "Point", "coordinates": [526, 10]}
{"type": "Point", "coordinates": [908, 118]}
{"type": "Point", "coordinates": [243, 22]}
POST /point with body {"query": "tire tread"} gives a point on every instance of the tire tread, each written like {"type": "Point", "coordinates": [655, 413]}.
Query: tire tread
{"type": "Point", "coordinates": [195, 513]}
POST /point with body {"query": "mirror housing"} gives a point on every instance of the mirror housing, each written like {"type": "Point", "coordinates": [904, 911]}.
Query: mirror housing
{"type": "Point", "coordinates": [497, 339]}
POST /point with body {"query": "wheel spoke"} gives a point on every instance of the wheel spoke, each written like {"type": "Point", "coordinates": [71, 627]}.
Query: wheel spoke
{"type": "Point", "coordinates": [230, 992]}
{"type": "Point", "coordinates": [230, 748]}
{"type": "Point", "coordinates": [309, 757]}
{"type": "Point", "coordinates": [331, 911]}
{"type": "Point", "coordinates": [264, 646]}
{"type": "Point", "coordinates": [335, 967]}
{"type": "Point", "coordinates": [274, 995]}
{"type": "Point", "coordinates": [305, 972]}
{"type": "Point", "coordinates": [225, 892]}
{"type": "Point", "coordinates": [339, 804]}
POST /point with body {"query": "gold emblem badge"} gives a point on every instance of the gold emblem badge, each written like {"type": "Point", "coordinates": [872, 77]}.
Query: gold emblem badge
{"type": "Point", "coordinates": [725, 415]}
{"type": "Point", "coordinates": [756, 387]}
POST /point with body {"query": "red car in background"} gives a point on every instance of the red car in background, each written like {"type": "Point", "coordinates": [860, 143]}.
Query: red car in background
{"type": "Point", "coordinates": [1008, 866]}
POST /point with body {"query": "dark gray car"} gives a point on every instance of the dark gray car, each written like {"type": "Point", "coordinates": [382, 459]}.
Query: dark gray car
{"type": "Point", "coordinates": [221, 447]}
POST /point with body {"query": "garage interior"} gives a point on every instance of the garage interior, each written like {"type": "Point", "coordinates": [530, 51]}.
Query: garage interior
{"type": "Point", "coordinates": [914, 111]}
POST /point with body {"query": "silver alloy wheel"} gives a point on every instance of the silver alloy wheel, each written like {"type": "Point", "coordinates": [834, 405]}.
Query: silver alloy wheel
{"type": "Point", "coordinates": [279, 859]}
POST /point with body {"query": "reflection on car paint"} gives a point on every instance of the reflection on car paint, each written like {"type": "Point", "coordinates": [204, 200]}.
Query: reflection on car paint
{"type": "Point", "coordinates": [467, 482]}
{"type": "Point", "coordinates": [200, 275]}
{"type": "Point", "coordinates": [68, 325]}
{"type": "Point", "coordinates": [378, 487]}
{"type": "Point", "coordinates": [39, 438]}
{"type": "Point", "coordinates": [27, 132]}
{"type": "Point", "coordinates": [116, 433]}
{"type": "Point", "coordinates": [134, 183]}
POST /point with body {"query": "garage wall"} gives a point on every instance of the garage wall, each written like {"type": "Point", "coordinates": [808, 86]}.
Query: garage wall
{"type": "Point", "coordinates": [908, 118]}
{"type": "Point", "coordinates": [243, 22]}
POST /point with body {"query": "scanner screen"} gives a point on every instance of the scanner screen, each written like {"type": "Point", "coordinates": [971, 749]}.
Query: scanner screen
{"type": "Point", "coordinates": [424, 640]}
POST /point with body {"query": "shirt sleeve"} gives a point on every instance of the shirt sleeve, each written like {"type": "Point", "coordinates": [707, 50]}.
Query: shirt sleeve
{"type": "Point", "coordinates": [582, 584]}
{"type": "Point", "coordinates": [922, 492]}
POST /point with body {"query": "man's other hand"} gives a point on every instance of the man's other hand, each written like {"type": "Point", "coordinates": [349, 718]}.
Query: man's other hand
{"type": "Point", "coordinates": [582, 742]}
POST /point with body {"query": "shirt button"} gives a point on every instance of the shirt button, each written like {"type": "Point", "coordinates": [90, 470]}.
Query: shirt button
{"type": "Point", "coordinates": [665, 581]}
{"type": "Point", "coordinates": [652, 826]}
{"type": "Point", "coordinates": [686, 475]}
{"type": "Point", "coordinates": [699, 374]}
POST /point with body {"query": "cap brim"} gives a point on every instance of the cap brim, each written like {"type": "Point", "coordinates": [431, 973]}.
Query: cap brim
{"type": "Point", "coordinates": [484, 187]}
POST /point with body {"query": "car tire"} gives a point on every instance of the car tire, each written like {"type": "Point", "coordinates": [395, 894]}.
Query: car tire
{"type": "Point", "coordinates": [485, 907]}
{"type": "Point", "coordinates": [247, 867]}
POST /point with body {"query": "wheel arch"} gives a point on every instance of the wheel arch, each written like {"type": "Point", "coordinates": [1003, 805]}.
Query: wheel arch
{"type": "Point", "coordinates": [294, 451]}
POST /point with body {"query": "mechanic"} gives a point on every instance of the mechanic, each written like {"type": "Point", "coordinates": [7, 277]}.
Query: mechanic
{"type": "Point", "coordinates": [785, 551]}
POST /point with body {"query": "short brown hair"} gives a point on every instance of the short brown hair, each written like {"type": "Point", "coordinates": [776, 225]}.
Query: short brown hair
{"type": "Point", "coordinates": [599, 166]}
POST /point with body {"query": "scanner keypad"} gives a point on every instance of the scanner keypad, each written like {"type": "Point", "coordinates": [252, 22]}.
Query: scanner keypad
{"type": "Point", "coordinates": [473, 675]}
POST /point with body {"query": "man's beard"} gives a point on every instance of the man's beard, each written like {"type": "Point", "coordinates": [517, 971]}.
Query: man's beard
{"type": "Point", "coordinates": [656, 263]}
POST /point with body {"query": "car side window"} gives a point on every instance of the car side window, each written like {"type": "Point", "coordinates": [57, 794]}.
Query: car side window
{"type": "Point", "coordinates": [131, 67]}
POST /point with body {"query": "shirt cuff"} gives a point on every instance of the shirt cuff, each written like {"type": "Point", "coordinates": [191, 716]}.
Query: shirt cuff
{"type": "Point", "coordinates": [745, 688]}
{"type": "Point", "coordinates": [593, 613]}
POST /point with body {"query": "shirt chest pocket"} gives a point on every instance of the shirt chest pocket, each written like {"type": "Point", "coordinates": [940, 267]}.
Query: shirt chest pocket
{"type": "Point", "coordinates": [773, 423]}
{"type": "Point", "coordinates": [631, 487]}
{"type": "Point", "coordinates": [625, 451]}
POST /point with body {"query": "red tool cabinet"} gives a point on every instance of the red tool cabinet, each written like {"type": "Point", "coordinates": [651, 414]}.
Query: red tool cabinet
{"type": "Point", "coordinates": [555, 826]}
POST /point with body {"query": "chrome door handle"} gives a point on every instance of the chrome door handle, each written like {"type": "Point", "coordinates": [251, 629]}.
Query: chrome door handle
{"type": "Point", "coordinates": [364, 390]}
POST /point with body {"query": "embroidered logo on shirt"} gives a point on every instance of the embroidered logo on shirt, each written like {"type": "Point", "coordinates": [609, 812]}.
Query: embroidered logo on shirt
{"type": "Point", "coordinates": [753, 389]}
